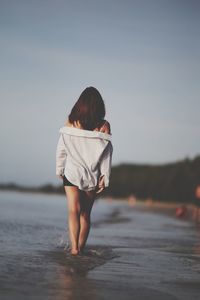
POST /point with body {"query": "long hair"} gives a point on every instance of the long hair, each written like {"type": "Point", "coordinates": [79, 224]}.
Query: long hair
{"type": "Point", "coordinates": [89, 109]}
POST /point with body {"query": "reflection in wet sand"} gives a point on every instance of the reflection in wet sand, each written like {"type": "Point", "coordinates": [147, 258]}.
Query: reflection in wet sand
{"type": "Point", "coordinates": [72, 272]}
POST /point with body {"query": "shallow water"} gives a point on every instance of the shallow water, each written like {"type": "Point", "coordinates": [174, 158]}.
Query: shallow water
{"type": "Point", "coordinates": [130, 254]}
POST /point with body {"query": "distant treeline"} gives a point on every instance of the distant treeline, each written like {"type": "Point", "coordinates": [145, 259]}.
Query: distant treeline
{"type": "Point", "coordinates": [175, 182]}
{"type": "Point", "coordinates": [169, 182]}
{"type": "Point", "coordinates": [47, 188]}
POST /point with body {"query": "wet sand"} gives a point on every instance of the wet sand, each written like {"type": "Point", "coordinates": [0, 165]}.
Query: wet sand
{"type": "Point", "coordinates": [134, 251]}
{"type": "Point", "coordinates": [139, 253]}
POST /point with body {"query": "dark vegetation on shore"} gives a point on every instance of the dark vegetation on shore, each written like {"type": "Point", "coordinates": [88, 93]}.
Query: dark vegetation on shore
{"type": "Point", "coordinates": [172, 182]}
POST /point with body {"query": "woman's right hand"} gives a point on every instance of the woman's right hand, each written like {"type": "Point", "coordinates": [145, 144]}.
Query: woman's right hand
{"type": "Point", "coordinates": [101, 185]}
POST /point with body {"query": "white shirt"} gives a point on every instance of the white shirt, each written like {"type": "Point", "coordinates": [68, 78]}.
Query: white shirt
{"type": "Point", "coordinates": [83, 156]}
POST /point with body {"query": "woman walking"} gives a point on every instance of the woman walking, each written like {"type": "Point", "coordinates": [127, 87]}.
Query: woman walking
{"type": "Point", "coordinates": [83, 161]}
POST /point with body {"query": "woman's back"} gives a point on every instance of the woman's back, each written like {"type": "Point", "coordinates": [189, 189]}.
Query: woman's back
{"type": "Point", "coordinates": [84, 155]}
{"type": "Point", "coordinates": [104, 127]}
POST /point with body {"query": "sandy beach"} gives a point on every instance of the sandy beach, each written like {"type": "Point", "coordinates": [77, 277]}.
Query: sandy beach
{"type": "Point", "coordinates": [134, 251]}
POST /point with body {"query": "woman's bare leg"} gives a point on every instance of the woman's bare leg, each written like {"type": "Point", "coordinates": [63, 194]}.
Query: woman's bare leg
{"type": "Point", "coordinates": [74, 207]}
{"type": "Point", "coordinates": [87, 201]}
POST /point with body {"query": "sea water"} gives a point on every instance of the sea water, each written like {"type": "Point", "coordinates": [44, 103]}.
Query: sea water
{"type": "Point", "coordinates": [131, 253]}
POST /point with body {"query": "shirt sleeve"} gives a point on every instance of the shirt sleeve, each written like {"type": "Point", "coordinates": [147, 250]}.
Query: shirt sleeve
{"type": "Point", "coordinates": [60, 156]}
{"type": "Point", "coordinates": [106, 162]}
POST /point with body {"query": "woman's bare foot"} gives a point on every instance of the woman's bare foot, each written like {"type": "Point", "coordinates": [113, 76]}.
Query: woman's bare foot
{"type": "Point", "coordinates": [74, 251]}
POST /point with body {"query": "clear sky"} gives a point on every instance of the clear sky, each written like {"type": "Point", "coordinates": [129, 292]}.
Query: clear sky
{"type": "Point", "coordinates": [143, 57]}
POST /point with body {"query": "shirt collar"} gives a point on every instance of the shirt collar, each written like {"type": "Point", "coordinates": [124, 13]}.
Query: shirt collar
{"type": "Point", "coordinates": [85, 133]}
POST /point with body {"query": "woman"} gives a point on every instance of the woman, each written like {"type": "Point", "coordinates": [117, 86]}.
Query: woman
{"type": "Point", "coordinates": [83, 162]}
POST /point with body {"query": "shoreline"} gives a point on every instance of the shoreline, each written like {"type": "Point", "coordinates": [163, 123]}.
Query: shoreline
{"type": "Point", "coordinates": [190, 211]}
{"type": "Point", "coordinates": [130, 251]}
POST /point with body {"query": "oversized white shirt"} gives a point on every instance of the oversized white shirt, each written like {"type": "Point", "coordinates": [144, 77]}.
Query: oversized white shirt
{"type": "Point", "coordinates": [83, 156]}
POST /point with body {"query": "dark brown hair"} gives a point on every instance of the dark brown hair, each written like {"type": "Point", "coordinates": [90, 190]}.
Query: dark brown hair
{"type": "Point", "coordinates": [89, 109]}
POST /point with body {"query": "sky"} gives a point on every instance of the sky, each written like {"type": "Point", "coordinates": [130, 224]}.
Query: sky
{"type": "Point", "coordinates": [143, 56]}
